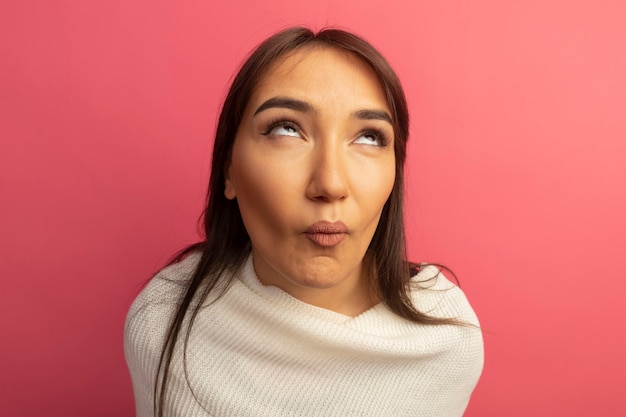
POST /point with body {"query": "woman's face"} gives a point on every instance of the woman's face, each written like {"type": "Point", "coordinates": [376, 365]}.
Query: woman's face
{"type": "Point", "coordinates": [312, 166]}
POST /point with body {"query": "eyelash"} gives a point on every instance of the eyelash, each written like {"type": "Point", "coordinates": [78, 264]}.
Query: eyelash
{"type": "Point", "coordinates": [378, 134]}
{"type": "Point", "coordinates": [279, 123]}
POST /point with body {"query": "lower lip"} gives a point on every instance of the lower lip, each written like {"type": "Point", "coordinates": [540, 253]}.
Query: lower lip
{"type": "Point", "coordinates": [326, 239]}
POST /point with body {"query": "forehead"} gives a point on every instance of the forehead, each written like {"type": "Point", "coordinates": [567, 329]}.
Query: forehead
{"type": "Point", "coordinates": [323, 76]}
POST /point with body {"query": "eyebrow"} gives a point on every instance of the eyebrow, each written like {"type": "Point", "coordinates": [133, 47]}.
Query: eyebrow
{"type": "Point", "coordinates": [285, 103]}
{"type": "Point", "coordinates": [304, 107]}
{"type": "Point", "coordinates": [373, 115]}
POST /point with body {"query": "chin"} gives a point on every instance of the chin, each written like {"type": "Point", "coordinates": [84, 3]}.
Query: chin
{"type": "Point", "coordinates": [319, 283]}
{"type": "Point", "coordinates": [319, 276]}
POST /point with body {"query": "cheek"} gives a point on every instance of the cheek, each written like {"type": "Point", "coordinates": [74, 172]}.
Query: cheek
{"type": "Point", "coordinates": [376, 200]}
{"type": "Point", "coordinates": [387, 180]}
{"type": "Point", "coordinates": [374, 184]}
{"type": "Point", "coordinates": [264, 191]}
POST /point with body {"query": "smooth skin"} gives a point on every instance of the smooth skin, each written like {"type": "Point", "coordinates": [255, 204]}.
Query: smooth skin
{"type": "Point", "coordinates": [315, 144]}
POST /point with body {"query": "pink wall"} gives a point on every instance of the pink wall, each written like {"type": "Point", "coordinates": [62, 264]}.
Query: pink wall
{"type": "Point", "coordinates": [516, 180]}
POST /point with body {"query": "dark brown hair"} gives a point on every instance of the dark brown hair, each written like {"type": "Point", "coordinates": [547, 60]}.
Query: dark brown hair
{"type": "Point", "coordinates": [226, 245]}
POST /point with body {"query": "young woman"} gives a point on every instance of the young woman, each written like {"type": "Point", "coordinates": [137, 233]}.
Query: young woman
{"type": "Point", "coordinates": [299, 302]}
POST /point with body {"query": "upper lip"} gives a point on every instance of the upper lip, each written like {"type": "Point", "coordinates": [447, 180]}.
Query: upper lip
{"type": "Point", "coordinates": [327, 227]}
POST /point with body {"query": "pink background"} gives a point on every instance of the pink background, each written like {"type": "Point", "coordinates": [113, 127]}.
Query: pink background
{"type": "Point", "coordinates": [516, 179]}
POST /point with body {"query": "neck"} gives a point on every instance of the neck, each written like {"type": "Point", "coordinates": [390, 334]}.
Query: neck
{"type": "Point", "coordinates": [349, 304]}
{"type": "Point", "coordinates": [350, 295]}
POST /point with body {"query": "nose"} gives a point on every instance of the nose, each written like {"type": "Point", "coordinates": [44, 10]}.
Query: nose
{"type": "Point", "coordinates": [329, 180]}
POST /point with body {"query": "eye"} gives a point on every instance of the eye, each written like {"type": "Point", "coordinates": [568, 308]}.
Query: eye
{"type": "Point", "coordinates": [282, 128]}
{"type": "Point", "coordinates": [372, 138]}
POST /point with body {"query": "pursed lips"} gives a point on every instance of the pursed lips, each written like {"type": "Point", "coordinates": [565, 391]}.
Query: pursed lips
{"type": "Point", "coordinates": [327, 234]}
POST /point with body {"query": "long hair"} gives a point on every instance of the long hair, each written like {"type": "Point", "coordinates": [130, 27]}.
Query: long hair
{"type": "Point", "coordinates": [227, 245]}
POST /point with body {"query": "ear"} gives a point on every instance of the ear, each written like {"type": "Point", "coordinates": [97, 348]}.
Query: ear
{"type": "Point", "coordinates": [229, 187]}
